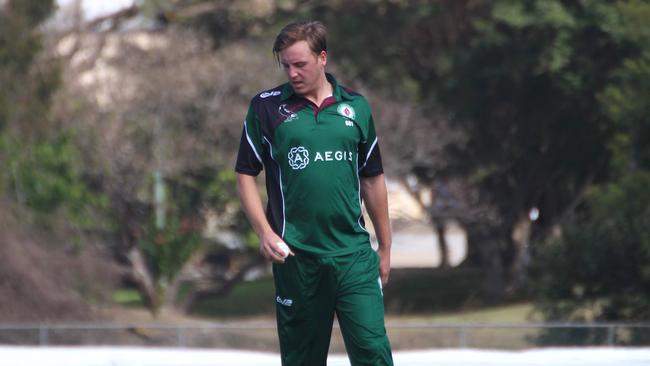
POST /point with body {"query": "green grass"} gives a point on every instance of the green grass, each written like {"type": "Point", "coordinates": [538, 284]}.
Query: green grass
{"type": "Point", "coordinates": [449, 296]}
{"type": "Point", "coordinates": [515, 313]}
{"type": "Point", "coordinates": [411, 292]}
{"type": "Point", "coordinates": [128, 297]}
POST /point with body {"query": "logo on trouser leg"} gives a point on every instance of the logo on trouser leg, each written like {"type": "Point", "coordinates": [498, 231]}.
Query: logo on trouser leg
{"type": "Point", "coordinates": [284, 302]}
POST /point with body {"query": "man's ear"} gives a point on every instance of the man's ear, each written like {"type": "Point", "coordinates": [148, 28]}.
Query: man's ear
{"type": "Point", "coordinates": [322, 57]}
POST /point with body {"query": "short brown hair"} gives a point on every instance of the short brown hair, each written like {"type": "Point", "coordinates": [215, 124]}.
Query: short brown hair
{"type": "Point", "coordinates": [314, 32]}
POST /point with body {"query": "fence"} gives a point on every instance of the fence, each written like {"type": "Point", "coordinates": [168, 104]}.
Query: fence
{"type": "Point", "coordinates": [262, 335]}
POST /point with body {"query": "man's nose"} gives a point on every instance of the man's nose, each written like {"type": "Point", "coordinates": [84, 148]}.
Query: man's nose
{"type": "Point", "coordinates": [292, 72]}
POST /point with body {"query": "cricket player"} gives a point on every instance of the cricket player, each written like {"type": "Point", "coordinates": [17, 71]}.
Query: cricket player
{"type": "Point", "coordinates": [317, 142]}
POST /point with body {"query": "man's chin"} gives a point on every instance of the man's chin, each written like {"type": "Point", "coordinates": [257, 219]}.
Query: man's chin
{"type": "Point", "coordinates": [298, 88]}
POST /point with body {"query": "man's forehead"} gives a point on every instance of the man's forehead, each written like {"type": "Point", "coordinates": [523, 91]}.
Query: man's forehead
{"type": "Point", "coordinates": [297, 52]}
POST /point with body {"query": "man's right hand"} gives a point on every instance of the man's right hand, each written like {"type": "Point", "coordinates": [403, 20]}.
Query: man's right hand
{"type": "Point", "coordinates": [252, 203]}
{"type": "Point", "coordinates": [269, 248]}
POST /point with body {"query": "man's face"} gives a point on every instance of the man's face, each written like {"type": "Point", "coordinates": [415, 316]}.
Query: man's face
{"type": "Point", "coordinates": [303, 67]}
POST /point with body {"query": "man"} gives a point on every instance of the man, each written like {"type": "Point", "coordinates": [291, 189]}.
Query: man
{"type": "Point", "coordinates": [317, 142]}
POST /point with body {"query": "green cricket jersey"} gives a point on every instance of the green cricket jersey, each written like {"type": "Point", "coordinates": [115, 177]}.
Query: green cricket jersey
{"type": "Point", "coordinates": [314, 158]}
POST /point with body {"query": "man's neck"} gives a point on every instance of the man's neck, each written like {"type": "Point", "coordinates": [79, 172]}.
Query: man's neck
{"type": "Point", "coordinates": [324, 90]}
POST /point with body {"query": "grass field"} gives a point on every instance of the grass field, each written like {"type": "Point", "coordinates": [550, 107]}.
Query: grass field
{"type": "Point", "coordinates": [420, 292]}
{"type": "Point", "coordinates": [412, 297]}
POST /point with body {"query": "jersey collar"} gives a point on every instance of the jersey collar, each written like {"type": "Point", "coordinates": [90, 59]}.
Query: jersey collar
{"type": "Point", "coordinates": [338, 92]}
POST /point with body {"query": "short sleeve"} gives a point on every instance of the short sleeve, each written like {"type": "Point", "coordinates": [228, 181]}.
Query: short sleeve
{"type": "Point", "coordinates": [249, 158]}
{"type": "Point", "coordinates": [369, 156]}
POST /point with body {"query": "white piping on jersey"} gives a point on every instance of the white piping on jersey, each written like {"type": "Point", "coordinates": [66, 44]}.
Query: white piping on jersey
{"type": "Point", "coordinates": [372, 147]}
{"type": "Point", "coordinates": [359, 192]}
{"type": "Point", "coordinates": [284, 215]}
{"type": "Point", "coordinates": [250, 142]}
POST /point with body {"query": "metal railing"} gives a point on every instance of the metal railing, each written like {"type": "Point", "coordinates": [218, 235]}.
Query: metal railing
{"type": "Point", "coordinates": [262, 335]}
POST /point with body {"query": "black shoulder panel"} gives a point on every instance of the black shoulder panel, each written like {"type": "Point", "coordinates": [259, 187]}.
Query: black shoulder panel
{"type": "Point", "coordinates": [272, 110]}
{"type": "Point", "coordinates": [351, 92]}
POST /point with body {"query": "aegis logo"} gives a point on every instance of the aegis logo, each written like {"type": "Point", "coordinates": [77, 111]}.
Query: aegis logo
{"type": "Point", "coordinates": [333, 156]}
{"type": "Point", "coordinates": [298, 157]}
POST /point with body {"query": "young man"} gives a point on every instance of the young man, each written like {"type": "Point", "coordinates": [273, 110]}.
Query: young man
{"type": "Point", "coordinates": [317, 142]}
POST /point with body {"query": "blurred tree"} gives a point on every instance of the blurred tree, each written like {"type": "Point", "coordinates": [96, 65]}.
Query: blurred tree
{"type": "Point", "coordinates": [522, 81]}
{"type": "Point", "coordinates": [530, 103]}
{"type": "Point", "coordinates": [46, 203]}
{"type": "Point", "coordinates": [165, 103]}
{"type": "Point", "coordinates": [597, 270]}
{"type": "Point", "coordinates": [26, 87]}
{"type": "Point", "coordinates": [41, 162]}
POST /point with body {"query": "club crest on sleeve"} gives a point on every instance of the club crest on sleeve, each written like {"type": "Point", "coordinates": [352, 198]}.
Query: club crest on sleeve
{"type": "Point", "coordinates": [346, 110]}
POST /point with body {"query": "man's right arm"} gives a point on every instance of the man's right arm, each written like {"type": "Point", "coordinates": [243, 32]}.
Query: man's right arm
{"type": "Point", "coordinates": [252, 203]}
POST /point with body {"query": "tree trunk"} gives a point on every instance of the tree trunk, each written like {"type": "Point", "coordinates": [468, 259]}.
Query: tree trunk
{"type": "Point", "coordinates": [144, 279]}
{"type": "Point", "coordinates": [439, 226]}
{"type": "Point", "coordinates": [494, 285]}
{"type": "Point", "coordinates": [488, 256]}
{"type": "Point", "coordinates": [520, 257]}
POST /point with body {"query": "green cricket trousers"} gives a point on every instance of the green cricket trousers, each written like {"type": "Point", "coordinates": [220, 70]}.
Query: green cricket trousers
{"type": "Point", "coordinates": [310, 290]}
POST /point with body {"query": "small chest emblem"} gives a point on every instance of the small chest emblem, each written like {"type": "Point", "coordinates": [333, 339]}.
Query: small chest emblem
{"type": "Point", "coordinates": [298, 157]}
{"type": "Point", "coordinates": [349, 123]}
{"type": "Point", "coordinates": [346, 111]}
{"type": "Point", "coordinates": [286, 113]}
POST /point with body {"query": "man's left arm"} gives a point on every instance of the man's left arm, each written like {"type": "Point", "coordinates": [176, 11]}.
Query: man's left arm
{"type": "Point", "coordinates": [375, 196]}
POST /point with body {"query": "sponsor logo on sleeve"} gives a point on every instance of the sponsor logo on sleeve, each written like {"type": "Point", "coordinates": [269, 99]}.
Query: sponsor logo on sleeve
{"type": "Point", "coordinates": [270, 94]}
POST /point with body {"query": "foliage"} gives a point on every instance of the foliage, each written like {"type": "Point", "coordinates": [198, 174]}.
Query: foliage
{"type": "Point", "coordinates": [221, 192]}
{"type": "Point", "coordinates": [598, 269]}
{"type": "Point", "coordinates": [224, 21]}
{"type": "Point", "coordinates": [627, 97]}
{"type": "Point", "coordinates": [161, 117]}
{"type": "Point", "coordinates": [550, 97]}
{"type": "Point", "coordinates": [529, 85]}
{"type": "Point", "coordinates": [43, 164]}
{"type": "Point", "coordinates": [169, 248]}
{"type": "Point", "coordinates": [25, 91]}
{"type": "Point", "coordinates": [45, 177]}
